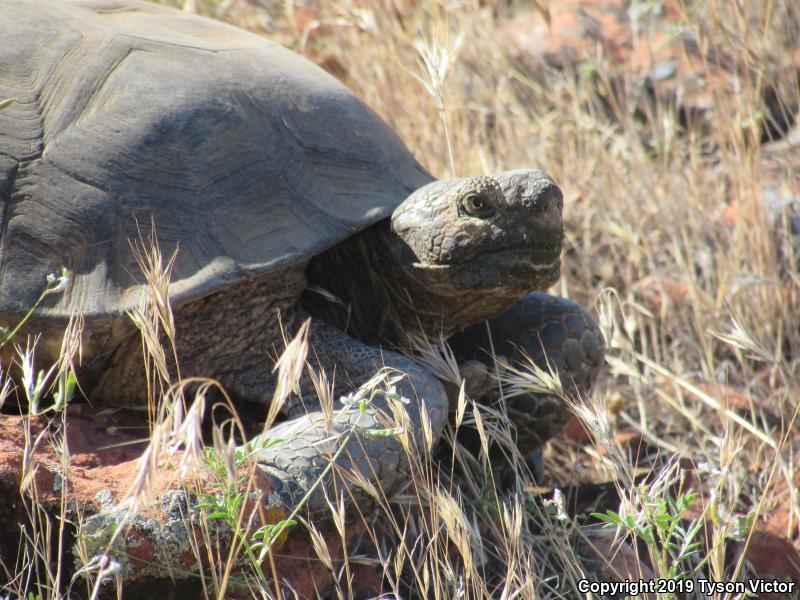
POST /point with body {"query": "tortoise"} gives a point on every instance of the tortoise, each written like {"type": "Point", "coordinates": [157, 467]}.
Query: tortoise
{"type": "Point", "coordinates": [271, 180]}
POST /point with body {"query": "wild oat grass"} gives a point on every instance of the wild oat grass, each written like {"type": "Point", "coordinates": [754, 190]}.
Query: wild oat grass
{"type": "Point", "coordinates": [645, 203]}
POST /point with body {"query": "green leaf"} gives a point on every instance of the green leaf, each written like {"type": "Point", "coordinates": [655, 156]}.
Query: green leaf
{"type": "Point", "coordinates": [262, 443]}
{"type": "Point", "coordinates": [7, 103]}
{"type": "Point", "coordinates": [687, 500]}
{"type": "Point", "coordinates": [663, 521]}
{"type": "Point", "coordinates": [218, 515]}
{"type": "Point", "coordinates": [65, 391]}
{"type": "Point", "coordinates": [690, 548]}
{"type": "Point", "coordinates": [753, 120]}
{"type": "Point", "coordinates": [610, 517]}
{"type": "Point", "coordinates": [587, 69]}
{"type": "Point", "coordinates": [646, 533]}
{"type": "Point", "coordinates": [268, 533]}
{"type": "Point", "coordinates": [742, 524]}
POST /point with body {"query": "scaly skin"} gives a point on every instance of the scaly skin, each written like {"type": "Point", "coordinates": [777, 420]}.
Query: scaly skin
{"type": "Point", "coordinates": [296, 464]}
{"type": "Point", "coordinates": [454, 253]}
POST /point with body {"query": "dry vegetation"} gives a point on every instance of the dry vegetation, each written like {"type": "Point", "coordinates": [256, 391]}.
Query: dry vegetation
{"type": "Point", "coordinates": [679, 235]}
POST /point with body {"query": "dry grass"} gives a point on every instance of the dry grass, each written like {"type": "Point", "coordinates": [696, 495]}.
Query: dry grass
{"type": "Point", "coordinates": [645, 199]}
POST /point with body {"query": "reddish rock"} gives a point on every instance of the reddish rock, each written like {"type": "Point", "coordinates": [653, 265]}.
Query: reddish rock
{"type": "Point", "coordinates": [616, 560]}
{"type": "Point", "coordinates": [156, 545]}
{"type": "Point", "coordinates": [770, 557]}
{"type": "Point", "coordinates": [576, 431]}
{"type": "Point", "coordinates": [727, 395]}
{"type": "Point", "coordinates": [569, 32]}
{"type": "Point", "coordinates": [783, 519]}
{"type": "Point", "coordinates": [660, 294]}
{"type": "Point", "coordinates": [367, 581]}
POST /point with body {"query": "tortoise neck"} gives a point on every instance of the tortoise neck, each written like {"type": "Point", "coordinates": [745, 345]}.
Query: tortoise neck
{"type": "Point", "coordinates": [367, 286]}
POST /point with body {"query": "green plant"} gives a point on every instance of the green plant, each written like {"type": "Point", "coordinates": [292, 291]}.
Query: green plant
{"type": "Point", "coordinates": [228, 497]}
{"type": "Point", "coordinates": [60, 378]}
{"type": "Point", "coordinates": [54, 285]}
{"type": "Point", "coordinates": [673, 543]}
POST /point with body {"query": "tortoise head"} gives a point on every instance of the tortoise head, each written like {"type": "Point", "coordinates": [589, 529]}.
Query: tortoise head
{"type": "Point", "coordinates": [497, 237]}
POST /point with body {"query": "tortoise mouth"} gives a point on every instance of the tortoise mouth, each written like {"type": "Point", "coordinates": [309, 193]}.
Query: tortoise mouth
{"type": "Point", "coordinates": [541, 258]}
{"type": "Point", "coordinates": [509, 272]}
{"type": "Point", "coordinates": [505, 272]}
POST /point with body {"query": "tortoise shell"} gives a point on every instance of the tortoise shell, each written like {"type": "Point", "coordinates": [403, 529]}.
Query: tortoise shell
{"type": "Point", "coordinates": [245, 156]}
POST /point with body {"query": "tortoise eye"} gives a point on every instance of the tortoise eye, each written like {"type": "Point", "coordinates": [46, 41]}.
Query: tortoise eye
{"type": "Point", "coordinates": [477, 205]}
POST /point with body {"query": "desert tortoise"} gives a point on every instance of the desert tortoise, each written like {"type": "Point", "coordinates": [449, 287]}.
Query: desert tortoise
{"type": "Point", "coordinates": [269, 177]}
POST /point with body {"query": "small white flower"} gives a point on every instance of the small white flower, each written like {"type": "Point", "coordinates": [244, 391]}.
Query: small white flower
{"type": "Point", "coordinates": [348, 400]}
{"type": "Point", "coordinates": [558, 504]}
{"type": "Point", "coordinates": [61, 281]}
{"type": "Point", "coordinates": [392, 394]}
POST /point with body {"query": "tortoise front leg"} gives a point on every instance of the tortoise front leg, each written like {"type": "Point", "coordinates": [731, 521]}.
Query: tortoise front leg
{"type": "Point", "coordinates": [291, 468]}
{"type": "Point", "coordinates": [309, 441]}
{"type": "Point", "coordinates": [556, 334]}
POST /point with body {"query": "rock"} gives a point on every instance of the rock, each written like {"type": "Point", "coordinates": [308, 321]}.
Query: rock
{"type": "Point", "coordinates": [769, 557]}
{"type": "Point", "coordinates": [615, 560]}
{"type": "Point", "coordinates": [661, 294]}
{"type": "Point", "coordinates": [157, 547]}
{"type": "Point", "coordinates": [576, 431]}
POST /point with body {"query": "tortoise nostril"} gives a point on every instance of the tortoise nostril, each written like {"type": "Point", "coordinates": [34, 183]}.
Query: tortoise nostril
{"type": "Point", "coordinates": [549, 199]}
